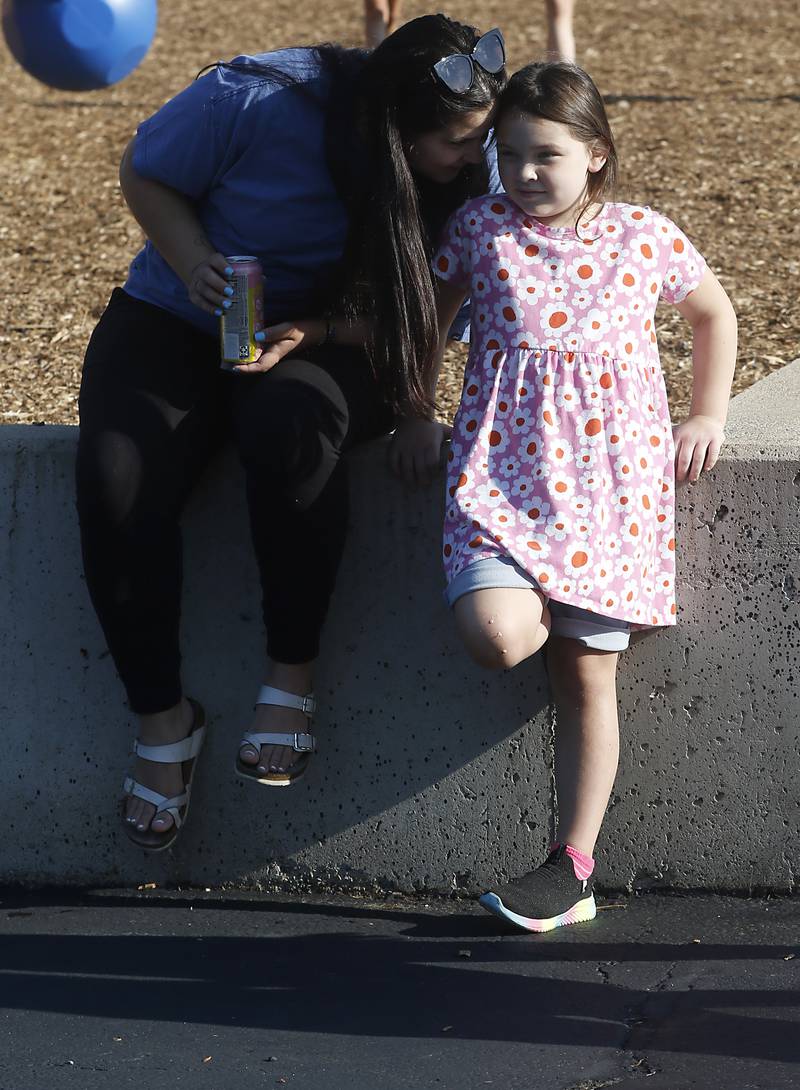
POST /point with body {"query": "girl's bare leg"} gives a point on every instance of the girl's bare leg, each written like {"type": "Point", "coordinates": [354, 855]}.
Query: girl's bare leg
{"type": "Point", "coordinates": [503, 626]}
{"type": "Point", "coordinates": [583, 684]}
{"type": "Point", "coordinates": [560, 36]}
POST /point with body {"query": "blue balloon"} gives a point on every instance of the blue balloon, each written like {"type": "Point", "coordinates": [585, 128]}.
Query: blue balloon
{"type": "Point", "coordinates": [79, 45]}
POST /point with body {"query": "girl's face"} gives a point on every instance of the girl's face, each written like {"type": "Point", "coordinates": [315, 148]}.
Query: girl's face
{"type": "Point", "coordinates": [543, 168]}
{"type": "Point", "coordinates": [441, 155]}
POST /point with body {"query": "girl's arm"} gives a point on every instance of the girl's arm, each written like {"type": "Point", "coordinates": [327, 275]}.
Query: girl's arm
{"type": "Point", "coordinates": [415, 452]}
{"type": "Point", "coordinates": [169, 220]}
{"type": "Point", "coordinates": [699, 438]}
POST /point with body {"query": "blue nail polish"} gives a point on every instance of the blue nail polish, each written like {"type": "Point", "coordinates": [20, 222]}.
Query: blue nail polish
{"type": "Point", "coordinates": [260, 337]}
{"type": "Point", "coordinates": [227, 304]}
{"type": "Point", "coordinates": [228, 290]}
{"type": "Point", "coordinates": [218, 312]}
{"type": "Point", "coordinates": [228, 270]}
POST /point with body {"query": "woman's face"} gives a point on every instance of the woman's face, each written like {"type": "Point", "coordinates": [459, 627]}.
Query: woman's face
{"type": "Point", "coordinates": [441, 155]}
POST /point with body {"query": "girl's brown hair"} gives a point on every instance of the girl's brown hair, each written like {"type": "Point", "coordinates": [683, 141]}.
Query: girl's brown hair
{"type": "Point", "coordinates": [562, 92]}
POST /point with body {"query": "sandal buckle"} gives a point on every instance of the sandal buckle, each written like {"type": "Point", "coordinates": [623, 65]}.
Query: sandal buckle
{"type": "Point", "coordinates": [307, 707]}
{"type": "Point", "coordinates": [302, 747]}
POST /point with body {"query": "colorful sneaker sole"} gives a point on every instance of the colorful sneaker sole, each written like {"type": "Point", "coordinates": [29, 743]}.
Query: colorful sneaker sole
{"type": "Point", "coordinates": [581, 912]}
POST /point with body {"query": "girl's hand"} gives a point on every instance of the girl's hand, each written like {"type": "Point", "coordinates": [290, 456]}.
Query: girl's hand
{"type": "Point", "coordinates": [279, 340]}
{"type": "Point", "coordinates": [698, 441]}
{"type": "Point", "coordinates": [207, 283]}
{"type": "Point", "coordinates": [416, 449]}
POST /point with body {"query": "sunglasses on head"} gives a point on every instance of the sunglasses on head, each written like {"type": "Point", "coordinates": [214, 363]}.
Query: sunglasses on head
{"type": "Point", "coordinates": [457, 72]}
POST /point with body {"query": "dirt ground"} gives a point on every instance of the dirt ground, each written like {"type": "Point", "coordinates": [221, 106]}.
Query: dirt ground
{"type": "Point", "coordinates": [703, 101]}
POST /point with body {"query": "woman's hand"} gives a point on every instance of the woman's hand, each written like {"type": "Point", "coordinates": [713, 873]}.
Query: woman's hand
{"type": "Point", "coordinates": [279, 340]}
{"type": "Point", "coordinates": [416, 449]}
{"type": "Point", "coordinates": [698, 441]}
{"type": "Point", "coordinates": [207, 284]}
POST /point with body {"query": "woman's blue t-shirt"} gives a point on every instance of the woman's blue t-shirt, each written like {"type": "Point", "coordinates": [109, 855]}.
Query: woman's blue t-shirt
{"type": "Point", "coordinates": [250, 154]}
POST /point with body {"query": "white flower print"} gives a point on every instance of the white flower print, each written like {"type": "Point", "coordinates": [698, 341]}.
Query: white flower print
{"type": "Point", "coordinates": [522, 485]}
{"type": "Point", "coordinates": [498, 210]}
{"type": "Point", "coordinates": [533, 253]}
{"type": "Point", "coordinates": [508, 467]}
{"type": "Point", "coordinates": [644, 250]}
{"type": "Point", "coordinates": [584, 271]}
{"type": "Point", "coordinates": [533, 545]}
{"type": "Point", "coordinates": [545, 575]}
{"type": "Point", "coordinates": [590, 427]}
{"type": "Point", "coordinates": [508, 315]}
{"type": "Point", "coordinates": [506, 272]}
{"type": "Point", "coordinates": [557, 526]}
{"type": "Point", "coordinates": [586, 589]}
{"type": "Point", "coordinates": [610, 604]}
{"type": "Point", "coordinates": [619, 317]}
{"type": "Point", "coordinates": [547, 419]}
{"type": "Point", "coordinates": [594, 325]}
{"type": "Point", "coordinates": [562, 483]}
{"type": "Point", "coordinates": [622, 498]}
{"type": "Point", "coordinates": [490, 494]}
{"type": "Point", "coordinates": [558, 291]}
{"type": "Point", "coordinates": [589, 481]}
{"type": "Point", "coordinates": [497, 439]}
{"type": "Point", "coordinates": [532, 450]}
{"type": "Point", "coordinates": [502, 519]}
{"type": "Point", "coordinates": [557, 319]}
{"type": "Point", "coordinates": [537, 509]}
{"type": "Point", "coordinates": [580, 505]}
{"type": "Point", "coordinates": [633, 215]}
{"type": "Point", "coordinates": [624, 469]}
{"type": "Point", "coordinates": [581, 299]}
{"type": "Point", "coordinates": [531, 290]}
{"type": "Point", "coordinates": [567, 397]}
{"type": "Point", "coordinates": [554, 266]}
{"type": "Point", "coordinates": [560, 453]}
{"type": "Point", "coordinates": [614, 438]}
{"type": "Point", "coordinates": [521, 420]}
{"type": "Point", "coordinates": [602, 571]}
{"type": "Point", "coordinates": [480, 286]}
{"type": "Point", "coordinates": [613, 254]}
{"type": "Point", "coordinates": [575, 562]}
{"type": "Point", "coordinates": [628, 279]}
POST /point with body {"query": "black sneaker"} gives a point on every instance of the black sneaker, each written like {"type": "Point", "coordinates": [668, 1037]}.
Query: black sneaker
{"type": "Point", "coordinates": [550, 896]}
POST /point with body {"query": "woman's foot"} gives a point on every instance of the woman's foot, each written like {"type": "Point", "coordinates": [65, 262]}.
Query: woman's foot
{"type": "Point", "coordinates": [294, 678]}
{"type": "Point", "coordinates": [269, 718]}
{"type": "Point", "coordinates": [162, 728]}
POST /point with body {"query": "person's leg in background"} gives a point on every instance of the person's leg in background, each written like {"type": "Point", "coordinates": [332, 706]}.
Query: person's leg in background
{"type": "Point", "coordinates": [381, 17]}
{"type": "Point", "coordinates": [560, 34]}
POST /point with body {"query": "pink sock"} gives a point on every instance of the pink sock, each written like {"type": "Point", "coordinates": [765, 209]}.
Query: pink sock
{"type": "Point", "coordinates": [583, 865]}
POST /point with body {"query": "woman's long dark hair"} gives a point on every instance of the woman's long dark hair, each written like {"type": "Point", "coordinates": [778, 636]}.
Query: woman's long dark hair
{"type": "Point", "coordinates": [393, 233]}
{"type": "Point", "coordinates": [376, 104]}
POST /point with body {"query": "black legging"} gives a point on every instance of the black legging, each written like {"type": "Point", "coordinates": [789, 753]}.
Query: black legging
{"type": "Point", "coordinates": [154, 405]}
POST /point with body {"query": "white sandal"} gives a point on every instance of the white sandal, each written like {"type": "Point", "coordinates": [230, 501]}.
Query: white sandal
{"type": "Point", "coordinates": [177, 807]}
{"type": "Point", "coordinates": [304, 744]}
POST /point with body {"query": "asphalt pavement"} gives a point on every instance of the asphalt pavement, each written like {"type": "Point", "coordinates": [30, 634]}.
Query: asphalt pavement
{"type": "Point", "coordinates": [165, 990]}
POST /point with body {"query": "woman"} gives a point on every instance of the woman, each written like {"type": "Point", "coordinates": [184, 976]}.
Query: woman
{"type": "Point", "coordinates": [337, 170]}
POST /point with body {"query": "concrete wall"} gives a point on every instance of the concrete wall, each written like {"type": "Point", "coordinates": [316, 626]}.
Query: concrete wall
{"type": "Point", "coordinates": [430, 775]}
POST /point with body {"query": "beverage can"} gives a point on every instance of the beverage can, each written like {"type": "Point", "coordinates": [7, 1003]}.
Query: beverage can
{"type": "Point", "coordinates": [245, 316]}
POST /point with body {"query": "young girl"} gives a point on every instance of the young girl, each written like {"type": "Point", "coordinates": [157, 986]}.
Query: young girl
{"type": "Point", "coordinates": [560, 493]}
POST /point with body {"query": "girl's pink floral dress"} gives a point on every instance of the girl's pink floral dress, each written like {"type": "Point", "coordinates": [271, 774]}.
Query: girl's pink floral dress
{"type": "Point", "coordinates": [562, 455]}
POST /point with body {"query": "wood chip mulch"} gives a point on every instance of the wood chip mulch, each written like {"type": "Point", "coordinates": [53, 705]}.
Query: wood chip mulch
{"type": "Point", "coordinates": [703, 101]}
